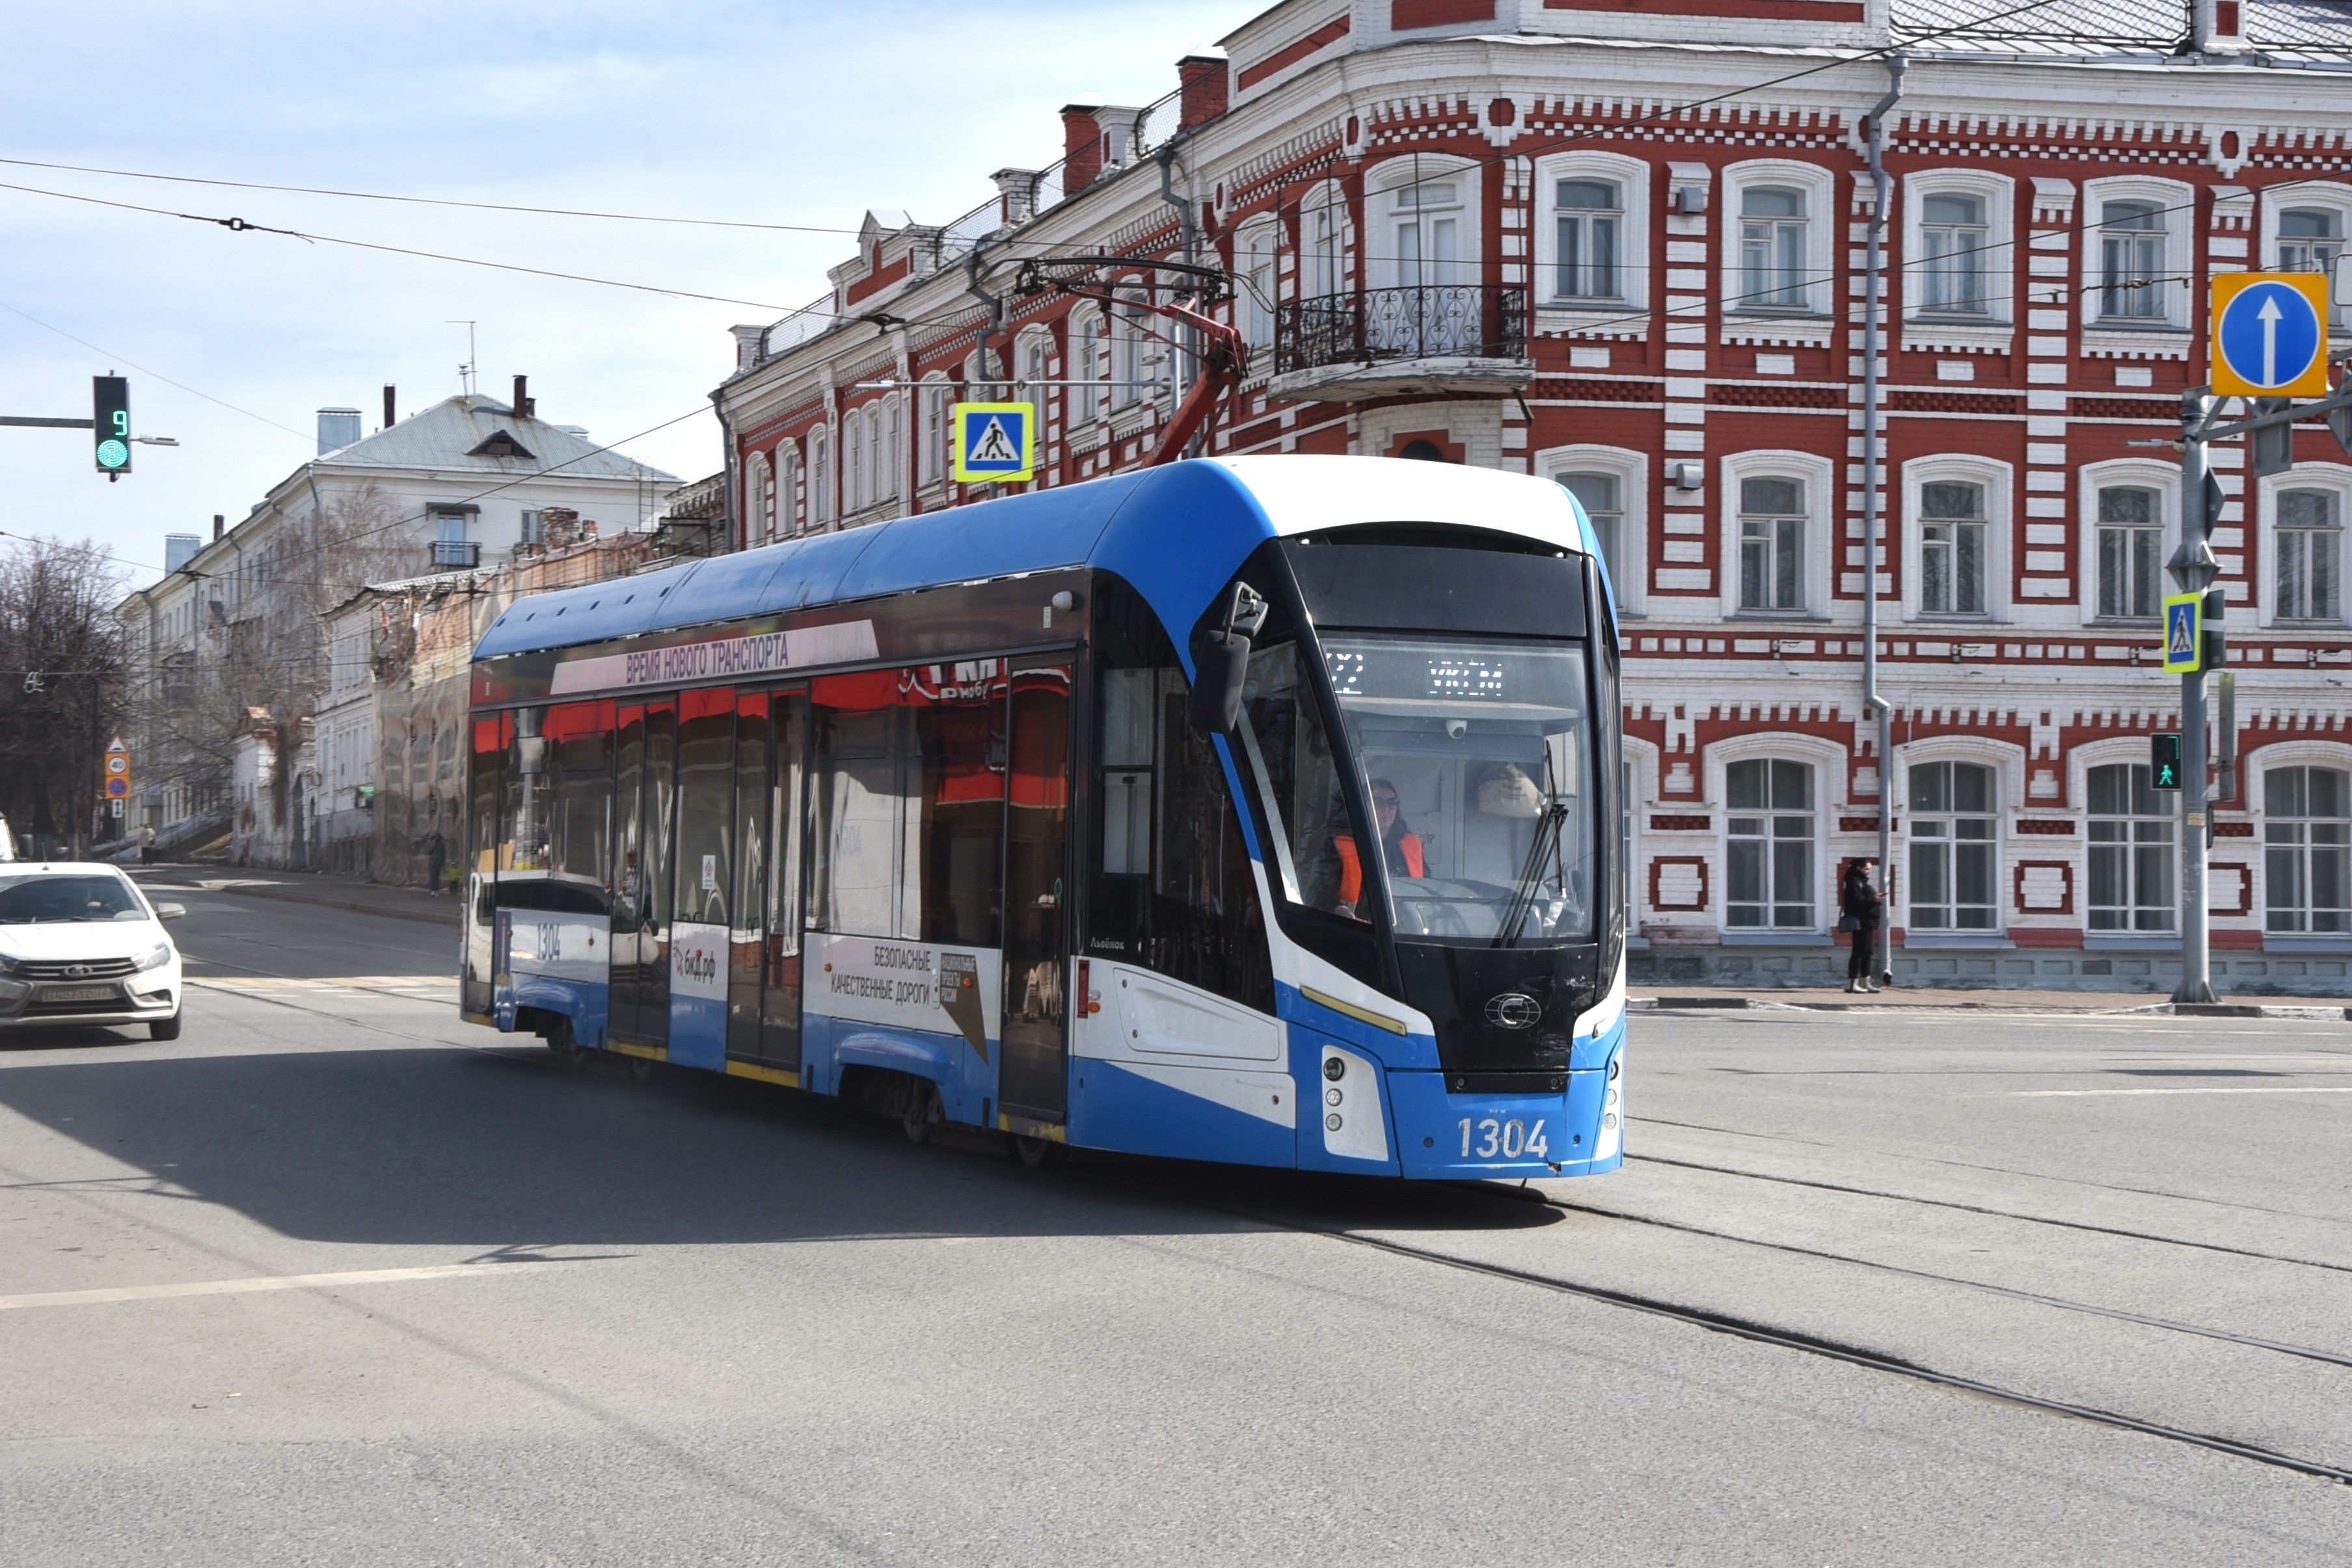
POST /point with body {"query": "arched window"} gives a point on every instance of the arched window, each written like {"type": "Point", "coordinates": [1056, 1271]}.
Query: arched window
{"type": "Point", "coordinates": [1253, 263]}
{"type": "Point", "coordinates": [1588, 216]}
{"type": "Point", "coordinates": [1603, 499]}
{"type": "Point", "coordinates": [1768, 846]}
{"type": "Point", "coordinates": [936, 396]}
{"type": "Point", "coordinates": [1952, 847]}
{"type": "Point", "coordinates": [787, 487]}
{"type": "Point", "coordinates": [1773, 247]}
{"type": "Point", "coordinates": [852, 462]}
{"type": "Point", "coordinates": [1323, 244]}
{"type": "Point", "coordinates": [2310, 239]}
{"type": "Point", "coordinates": [2310, 555]}
{"type": "Point", "coordinates": [1951, 548]}
{"type": "Point", "coordinates": [2131, 261]}
{"type": "Point", "coordinates": [1771, 544]}
{"type": "Point", "coordinates": [2132, 879]}
{"type": "Point", "coordinates": [2308, 834]}
{"type": "Point", "coordinates": [1127, 359]}
{"type": "Point", "coordinates": [2131, 553]}
{"type": "Point", "coordinates": [820, 477]}
{"type": "Point", "coordinates": [1088, 397]}
{"type": "Point", "coordinates": [1953, 236]}
{"type": "Point", "coordinates": [885, 452]}
{"type": "Point", "coordinates": [760, 500]}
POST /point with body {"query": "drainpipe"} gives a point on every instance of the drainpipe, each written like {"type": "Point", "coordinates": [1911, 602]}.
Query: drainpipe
{"type": "Point", "coordinates": [1189, 339]}
{"type": "Point", "coordinates": [1873, 312]}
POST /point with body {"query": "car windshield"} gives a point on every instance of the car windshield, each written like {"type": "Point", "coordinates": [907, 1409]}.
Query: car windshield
{"type": "Point", "coordinates": [45, 900]}
{"type": "Point", "coordinates": [1477, 758]}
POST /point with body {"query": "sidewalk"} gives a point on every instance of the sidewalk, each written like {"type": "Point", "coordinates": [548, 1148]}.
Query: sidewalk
{"type": "Point", "coordinates": [1930, 999]}
{"type": "Point", "coordinates": [301, 887]}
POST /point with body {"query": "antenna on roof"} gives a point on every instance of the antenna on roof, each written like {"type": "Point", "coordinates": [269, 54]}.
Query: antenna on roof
{"type": "Point", "coordinates": [466, 371]}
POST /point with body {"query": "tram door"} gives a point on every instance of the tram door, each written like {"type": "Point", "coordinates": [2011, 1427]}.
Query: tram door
{"type": "Point", "coordinates": [1034, 1085]}
{"type": "Point", "coordinates": [772, 988]}
{"type": "Point", "coordinates": [645, 762]}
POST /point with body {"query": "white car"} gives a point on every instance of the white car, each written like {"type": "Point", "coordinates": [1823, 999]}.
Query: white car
{"type": "Point", "coordinates": [79, 943]}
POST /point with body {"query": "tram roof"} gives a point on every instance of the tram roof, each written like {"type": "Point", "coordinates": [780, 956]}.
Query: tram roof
{"type": "Point", "coordinates": [1176, 533]}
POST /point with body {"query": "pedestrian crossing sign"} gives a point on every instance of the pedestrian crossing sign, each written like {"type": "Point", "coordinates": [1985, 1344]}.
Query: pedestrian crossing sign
{"type": "Point", "coordinates": [2184, 625]}
{"type": "Point", "coordinates": [993, 441]}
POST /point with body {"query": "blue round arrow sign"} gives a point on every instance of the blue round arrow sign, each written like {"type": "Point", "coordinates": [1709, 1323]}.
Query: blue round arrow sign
{"type": "Point", "coordinates": [2270, 334]}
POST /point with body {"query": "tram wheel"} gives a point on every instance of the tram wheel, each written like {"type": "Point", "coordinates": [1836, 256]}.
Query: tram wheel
{"type": "Point", "coordinates": [641, 1068]}
{"type": "Point", "coordinates": [1039, 1153]}
{"type": "Point", "coordinates": [918, 1123]}
{"type": "Point", "coordinates": [567, 1049]}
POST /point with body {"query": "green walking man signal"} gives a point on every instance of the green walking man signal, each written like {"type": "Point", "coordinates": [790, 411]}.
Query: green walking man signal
{"type": "Point", "coordinates": [109, 404]}
{"type": "Point", "coordinates": [2164, 762]}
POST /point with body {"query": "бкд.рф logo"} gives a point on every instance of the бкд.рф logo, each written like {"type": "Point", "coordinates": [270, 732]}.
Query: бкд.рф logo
{"type": "Point", "coordinates": [1514, 1010]}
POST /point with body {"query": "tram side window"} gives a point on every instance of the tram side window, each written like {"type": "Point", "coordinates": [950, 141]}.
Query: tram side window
{"type": "Point", "coordinates": [706, 804]}
{"type": "Point", "coordinates": [1173, 886]}
{"type": "Point", "coordinates": [579, 740]}
{"type": "Point", "coordinates": [523, 817]}
{"type": "Point", "coordinates": [908, 812]}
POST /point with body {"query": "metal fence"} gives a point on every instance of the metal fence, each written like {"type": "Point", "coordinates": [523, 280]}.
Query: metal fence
{"type": "Point", "coordinates": [1433, 320]}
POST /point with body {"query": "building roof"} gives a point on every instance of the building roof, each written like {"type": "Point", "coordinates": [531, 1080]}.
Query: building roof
{"type": "Point", "coordinates": [460, 434]}
{"type": "Point", "coordinates": [2277, 32]}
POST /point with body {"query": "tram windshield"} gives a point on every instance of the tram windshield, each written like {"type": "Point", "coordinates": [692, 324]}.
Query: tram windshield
{"type": "Point", "coordinates": [1476, 755]}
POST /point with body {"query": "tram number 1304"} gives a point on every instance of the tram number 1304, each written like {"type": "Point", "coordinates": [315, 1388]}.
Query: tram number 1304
{"type": "Point", "coordinates": [1511, 1140]}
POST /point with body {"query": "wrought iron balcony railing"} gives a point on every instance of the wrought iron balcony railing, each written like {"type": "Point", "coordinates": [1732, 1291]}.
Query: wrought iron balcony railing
{"type": "Point", "coordinates": [456, 553]}
{"type": "Point", "coordinates": [1433, 320]}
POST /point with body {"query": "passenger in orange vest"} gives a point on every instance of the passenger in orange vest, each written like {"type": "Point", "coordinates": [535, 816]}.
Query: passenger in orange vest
{"type": "Point", "coordinates": [1401, 846]}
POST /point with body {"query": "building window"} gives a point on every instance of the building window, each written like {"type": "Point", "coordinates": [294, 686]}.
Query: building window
{"type": "Point", "coordinates": [1953, 236]}
{"type": "Point", "coordinates": [1771, 544]}
{"type": "Point", "coordinates": [1426, 230]}
{"type": "Point", "coordinates": [2131, 262]}
{"type": "Point", "coordinates": [2307, 829]}
{"type": "Point", "coordinates": [1772, 250]}
{"type": "Point", "coordinates": [1951, 548]}
{"type": "Point", "coordinates": [2310, 239]}
{"type": "Point", "coordinates": [1589, 222]}
{"type": "Point", "coordinates": [935, 433]}
{"type": "Point", "coordinates": [534, 528]}
{"type": "Point", "coordinates": [1127, 353]}
{"type": "Point", "coordinates": [1088, 397]}
{"type": "Point", "coordinates": [1768, 853]}
{"type": "Point", "coordinates": [1603, 502]}
{"type": "Point", "coordinates": [1952, 847]}
{"type": "Point", "coordinates": [2310, 556]}
{"type": "Point", "coordinates": [2132, 879]}
{"type": "Point", "coordinates": [1254, 259]}
{"type": "Point", "coordinates": [1323, 237]}
{"type": "Point", "coordinates": [2131, 554]}
{"type": "Point", "coordinates": [820, 501]}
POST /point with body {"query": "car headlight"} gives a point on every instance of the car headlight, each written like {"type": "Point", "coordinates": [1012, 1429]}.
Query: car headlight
{"type": "Point", "coordinates": [155, 957]}
{"type": "Point", "coordinates": [7, 965]}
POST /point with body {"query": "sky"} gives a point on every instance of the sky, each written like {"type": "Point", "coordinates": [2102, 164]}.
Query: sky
{"type": "Point", "coordinates": [798, 113]}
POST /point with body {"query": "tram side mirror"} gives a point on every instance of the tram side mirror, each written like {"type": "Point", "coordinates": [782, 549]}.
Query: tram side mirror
{"type": "Point", "coordinates": [1221, 653]}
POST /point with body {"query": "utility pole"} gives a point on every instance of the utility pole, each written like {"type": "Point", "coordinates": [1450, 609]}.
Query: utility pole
{"type": "Point", "coordinates": [2194, 568]}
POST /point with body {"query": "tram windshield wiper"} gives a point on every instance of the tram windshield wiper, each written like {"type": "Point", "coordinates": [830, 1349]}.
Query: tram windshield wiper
{"type": "Point", "coordinates": [1523, 896]}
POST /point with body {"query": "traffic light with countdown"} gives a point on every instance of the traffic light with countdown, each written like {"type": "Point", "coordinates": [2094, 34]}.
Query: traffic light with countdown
{"type": "Point", "coordinates": [2164, 762]}
{"type": "Point", "coordinates": [109, 405]}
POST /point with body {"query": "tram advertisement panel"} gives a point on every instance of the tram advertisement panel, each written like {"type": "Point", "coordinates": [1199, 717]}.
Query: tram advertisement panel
{"type": "Point", "coordinates": [909, 985]}
{"type": "Point", "coordinates": [697, 994]}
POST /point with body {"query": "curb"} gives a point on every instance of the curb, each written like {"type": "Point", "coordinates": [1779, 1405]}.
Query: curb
{"type": "Point", "coordinates": [324, 897]}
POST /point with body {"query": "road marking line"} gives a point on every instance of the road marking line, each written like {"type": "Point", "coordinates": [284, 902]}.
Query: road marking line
{"type": "Point", "coordinates": [2217, 1088]}
{"type": "Point", "coordinates": [242, 1286]}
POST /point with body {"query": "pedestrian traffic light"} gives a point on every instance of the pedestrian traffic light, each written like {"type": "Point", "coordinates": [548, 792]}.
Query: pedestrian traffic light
{"type": "Point", "coordinates": [110, 402]}
{"type": "Point", "coordinates": [2163, 761]}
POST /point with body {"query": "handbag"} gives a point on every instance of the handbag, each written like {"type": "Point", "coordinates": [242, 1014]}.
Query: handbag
{"type": "Point", "coordinates": [1848, 923]}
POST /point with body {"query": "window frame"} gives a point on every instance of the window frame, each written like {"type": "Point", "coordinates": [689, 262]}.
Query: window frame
{"type": "Point", "coordinates": [1999, 194]}
{"type": "Point", "coordinates": [1326, 235]}
{"type": "Point", "coordinates": [1825, 759]}
{"type": "Point", "coordinates": [1631, 469]}
{"type": "Point", "coordinates": [2303, 195]}
{"type": "Point", "coordinates": [2170, 198]}
{"type": "Point", "coordinates": [1632, 177]}
{"type": "Point", "coordinates": [1254, 317]}
{"type": "Point", "coordinates": [1996, 479]}
{"type": "Point", "coordinates": [1383, 182]}
{"type": "Point", "coordinates": [2270, 759]}
{"type": "Point", "coordinates": [1823, 225]}
{"type": "Point", "coordinates": [1818, 476]}
{"type": "Point", "coordinates": [2127, 755]}
{"type": "Point", "coordinates": [2334, 479]}
{"type": "Point", "coordinates": [1995, 814]}
{"type": "Point", "coordinates": [2126, 473]}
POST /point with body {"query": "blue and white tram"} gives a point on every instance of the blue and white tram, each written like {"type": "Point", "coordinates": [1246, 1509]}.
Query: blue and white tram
{"type": "Point", "coordinates": [932, 813]}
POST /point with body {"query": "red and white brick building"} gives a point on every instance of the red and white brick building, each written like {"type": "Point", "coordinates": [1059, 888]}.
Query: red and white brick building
{"type": "Point", "coordinates": [1484, 231]}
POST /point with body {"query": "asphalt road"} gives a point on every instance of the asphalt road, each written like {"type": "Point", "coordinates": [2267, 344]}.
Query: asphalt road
{"type": "Point", "coordinates": [336, 1278]}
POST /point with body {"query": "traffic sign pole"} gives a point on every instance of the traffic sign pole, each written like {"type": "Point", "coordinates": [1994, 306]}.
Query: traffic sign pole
{"type": "Point", "coordinates": [2194, 568]}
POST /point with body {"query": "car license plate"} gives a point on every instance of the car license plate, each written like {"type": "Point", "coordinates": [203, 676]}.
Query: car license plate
{"type": "Point", "coordinates": [80, 994]}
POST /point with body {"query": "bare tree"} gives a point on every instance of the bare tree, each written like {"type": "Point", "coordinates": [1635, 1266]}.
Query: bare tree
{"type": "Point", "coordinates": [61, 681]}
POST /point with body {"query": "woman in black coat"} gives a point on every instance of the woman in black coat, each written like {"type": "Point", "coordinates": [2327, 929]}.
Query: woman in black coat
{"type": "Point", "coordinates": [1860, 902]}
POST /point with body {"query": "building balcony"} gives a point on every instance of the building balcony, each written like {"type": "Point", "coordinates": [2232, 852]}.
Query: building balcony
{"type": "Point", "coordinates": [1390, 342]}
{"type": "Point", "coordinates": [456, 554]}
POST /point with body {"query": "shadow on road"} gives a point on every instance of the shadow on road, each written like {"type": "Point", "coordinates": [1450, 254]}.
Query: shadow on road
{"type": "Point", "coordinates": [447, 1147]}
